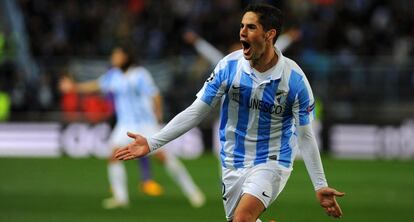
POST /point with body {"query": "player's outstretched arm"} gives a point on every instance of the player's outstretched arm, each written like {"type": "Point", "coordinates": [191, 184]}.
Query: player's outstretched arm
{"type": "Point", "coordinates": [179, 125]}
{"type": "Point", "coordinates": [327, 199]}
{"type": "Point", "coordinates": [204, 48]}
{"type": "Point", "coordinates": [67, 84]}
{"type": "Point", "coordinates": [138, 148]}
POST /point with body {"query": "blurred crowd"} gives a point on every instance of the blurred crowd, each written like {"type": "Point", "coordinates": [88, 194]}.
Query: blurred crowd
{"type": "Point", "coordinates": [90, 28]}
{"type": "Point", "coordinates": [336, 35]}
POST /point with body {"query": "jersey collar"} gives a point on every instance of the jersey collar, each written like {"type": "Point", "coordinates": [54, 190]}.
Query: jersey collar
{"type": "Point", "coordinates": [275, 71]}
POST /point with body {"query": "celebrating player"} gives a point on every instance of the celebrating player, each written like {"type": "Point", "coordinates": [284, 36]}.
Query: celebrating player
{"type": "Point", "coordinates": [138, 107]}
{"type": "Point", "coordinates": [265, 117]}
{"type": "Point", "coordinates": [213, 56]}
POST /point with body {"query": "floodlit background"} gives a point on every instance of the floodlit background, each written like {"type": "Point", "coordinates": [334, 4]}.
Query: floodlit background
{"type": "Point", "coordinates": [357, 54]}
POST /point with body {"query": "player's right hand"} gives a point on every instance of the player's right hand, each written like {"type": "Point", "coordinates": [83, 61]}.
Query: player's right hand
{"type": "Point", "coordinates": [66, 84]}
{"type": "Point", "coordinates": [190, 37]}
{"type": "Point", "coordinates": [138, 148]}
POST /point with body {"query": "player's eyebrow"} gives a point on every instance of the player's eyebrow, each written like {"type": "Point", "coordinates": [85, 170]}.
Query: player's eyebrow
{"type": "Point", "coordinates": [249, 25]}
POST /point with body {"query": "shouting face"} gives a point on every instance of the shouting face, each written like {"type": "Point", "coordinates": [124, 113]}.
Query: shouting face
{"type": "Point", "coordinates": [253, 37]}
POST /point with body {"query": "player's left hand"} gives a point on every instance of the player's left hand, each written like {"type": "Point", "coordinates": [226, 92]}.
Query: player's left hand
{"type": "Point", "coordinates": [138, 148]}
{"type": "Point", "coordinates": [327, 200]}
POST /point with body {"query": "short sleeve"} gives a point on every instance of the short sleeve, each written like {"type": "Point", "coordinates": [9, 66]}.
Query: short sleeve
{"type": "Point", "coordinates": [105, 80]}
{"type": "Point", "coordinates": [304, 106]}
{"type": "Point", "coordinates": [215, 85]}
{"type": "Point", "coordinates": [146, 84]}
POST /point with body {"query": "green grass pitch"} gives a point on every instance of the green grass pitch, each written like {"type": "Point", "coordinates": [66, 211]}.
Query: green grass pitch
{"type": "Point", "coordinates": [68, 189]}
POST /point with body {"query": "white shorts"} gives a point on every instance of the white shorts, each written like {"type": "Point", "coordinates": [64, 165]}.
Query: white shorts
{"type": "Point", "coordinates": [264, 181]}
{"type": "Point", "coordinates": [119, 135]}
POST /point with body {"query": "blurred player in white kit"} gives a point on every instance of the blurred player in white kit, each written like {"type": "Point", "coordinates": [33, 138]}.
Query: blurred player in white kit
{"type": "Point", "coordinates": [138, 107]}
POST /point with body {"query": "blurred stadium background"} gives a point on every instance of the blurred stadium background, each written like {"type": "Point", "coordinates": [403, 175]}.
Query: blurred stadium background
{"type": "Point", "coordinates": [358, 55]}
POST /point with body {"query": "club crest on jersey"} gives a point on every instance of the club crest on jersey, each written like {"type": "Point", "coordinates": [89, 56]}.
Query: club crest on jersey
{"type": "Point", "coordinates": [281, 97]}
{"type": "Point", "coordinates": [211, 77]}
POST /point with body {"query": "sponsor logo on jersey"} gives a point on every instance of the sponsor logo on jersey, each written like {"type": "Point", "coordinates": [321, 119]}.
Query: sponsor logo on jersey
{"type": "Point", "coordinates": [273, 157]}
{"type": "Point", "coordinates": [265, 106]}
{"type": "Point", "coordinates": [264, 194]}
{"type": "Point", "coordinates": [211, 77]}
{"type": "Point", "coordinates": [310, 108]}
{"type": "Point", "coordinates": [223, 190]}
{"type": "Point", "coordinates": [258, 104]}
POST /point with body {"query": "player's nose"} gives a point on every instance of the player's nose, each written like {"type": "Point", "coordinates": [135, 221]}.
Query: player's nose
{"type": "Point", "coordinates": [243, 32]}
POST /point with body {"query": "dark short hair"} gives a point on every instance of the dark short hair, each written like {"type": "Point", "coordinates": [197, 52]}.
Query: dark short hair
{"type": "Point", "coordinates": [270, 17]}
{"type": "Point", "coordinates": [130, 52]}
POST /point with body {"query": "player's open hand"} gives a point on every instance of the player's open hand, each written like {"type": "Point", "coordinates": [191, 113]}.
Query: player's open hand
{"type": "Point", "coordinates": [138, 148]}
{"type": "Point", "coordinates": [190, 37]}
{"type": "Point", "coordinates": [326, 197]}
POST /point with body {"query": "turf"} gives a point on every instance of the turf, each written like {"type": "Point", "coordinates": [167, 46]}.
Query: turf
{"type": "Point", "coordinates": [68, 189]}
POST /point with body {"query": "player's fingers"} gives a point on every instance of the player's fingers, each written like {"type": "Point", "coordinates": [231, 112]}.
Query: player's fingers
{"type": "Point", "coordinates": [327, 203]}
{"type": "Point", "coordinates": [129, 157]}
{"type": "Point", "coordinates": [326, 211]}
{"type": "Point", "coordinates": [338, 194]}
{"type": "Point", "coordinates": [334, 215]}
{"type": "Point", "coordinates": [122, 157]}
{"type": "Point", "coordinates": [121, 153]}
{"type": "Point", "coordinates": [117, 153]}
{"type": "Point", "coordinates": [331, 191]}
{"type": "Point", "coordinates": [335, 212]}
{"type": "Point", "coordinates": [121, 150]}
{"type": "Point", "coordinates": [133, 136]}
{"type": "Point", "coordinates": [338, 209]}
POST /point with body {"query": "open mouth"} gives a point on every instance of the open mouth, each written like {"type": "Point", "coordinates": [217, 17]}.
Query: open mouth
{"type": "Point", "coordinates": [246, 45]}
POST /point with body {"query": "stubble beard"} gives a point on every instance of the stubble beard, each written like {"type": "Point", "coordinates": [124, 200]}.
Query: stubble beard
{"type": "Point", "coordinates": [255, 59]}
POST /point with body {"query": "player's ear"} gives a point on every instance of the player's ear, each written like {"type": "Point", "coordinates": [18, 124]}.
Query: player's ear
{"type": "Point", "coordinates": [270, 34]}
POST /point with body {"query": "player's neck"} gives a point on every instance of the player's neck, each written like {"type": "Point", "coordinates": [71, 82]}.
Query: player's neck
{"type": "Point", "coordinates": [266, 61]}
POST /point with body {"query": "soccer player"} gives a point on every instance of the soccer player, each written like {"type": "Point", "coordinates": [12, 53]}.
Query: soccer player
{"type": "Point", "coordinates": [265, 116]}
{"type": "Point", "coordinates": [138, 106]}
{"type": "Point", "coordinates": [213, 56]}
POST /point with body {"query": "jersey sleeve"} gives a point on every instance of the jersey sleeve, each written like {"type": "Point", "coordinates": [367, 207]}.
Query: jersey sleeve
{"type": "Point", "coordinates": [215, 85]}
{"type": "Point", "coordinates": [304, 106]}
{"type": "Point", "coordinates": [180, 124]}
{"type": "Point", "coordinates": [105, 81]}
{"type": "Point", "coordinates": [146, 84]}
{"type": "Point", "coordinates": [310, 153]}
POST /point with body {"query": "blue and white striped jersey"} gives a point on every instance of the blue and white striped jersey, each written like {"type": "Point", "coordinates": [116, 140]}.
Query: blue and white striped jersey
{"type": "Point", "coordinates": [133, 92]}
{"type": "Point", "coordinates": [259, 110]}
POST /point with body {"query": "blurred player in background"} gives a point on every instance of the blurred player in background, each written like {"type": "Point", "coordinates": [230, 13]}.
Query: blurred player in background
{"type": "Point", "coordinates": [138, 106]}
{"type": "Point", "coordinates": [213, 55]}
{"type": "Point", "coordinates": [265, 117]}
